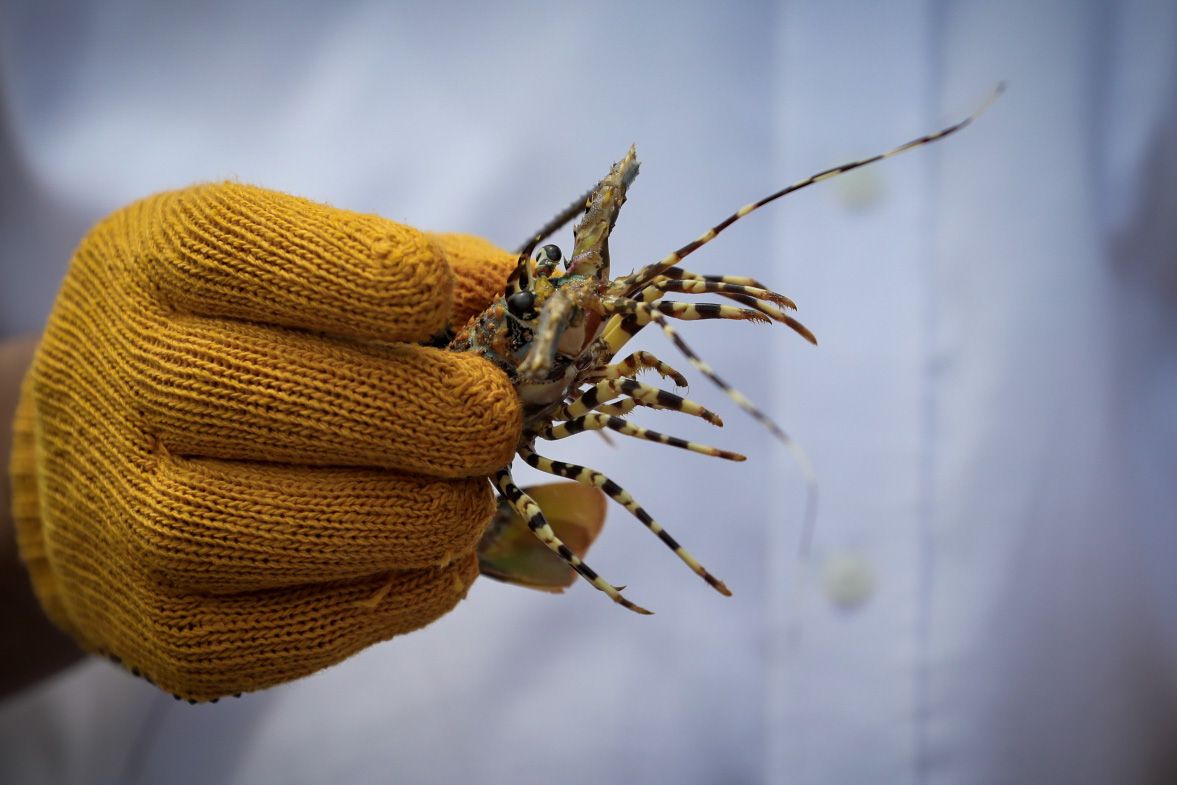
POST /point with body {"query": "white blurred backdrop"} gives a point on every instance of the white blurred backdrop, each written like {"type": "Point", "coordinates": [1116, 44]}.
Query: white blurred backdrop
{"type": "Point", "coordinates": [992, 410]}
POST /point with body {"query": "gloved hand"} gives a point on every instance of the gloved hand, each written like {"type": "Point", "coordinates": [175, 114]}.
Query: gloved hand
{"type": "Point", "coordinates": [233, 466]}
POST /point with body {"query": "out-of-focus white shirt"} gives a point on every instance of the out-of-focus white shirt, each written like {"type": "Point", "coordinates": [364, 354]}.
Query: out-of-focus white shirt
{"type": "Point", "coordinates": [992, 410]}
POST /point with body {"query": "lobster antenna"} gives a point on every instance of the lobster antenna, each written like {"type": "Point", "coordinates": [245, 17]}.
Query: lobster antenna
{"type": "Point", "coordinates": [640, 278]}
{"type": "Point", "coordinates": [557, 223]}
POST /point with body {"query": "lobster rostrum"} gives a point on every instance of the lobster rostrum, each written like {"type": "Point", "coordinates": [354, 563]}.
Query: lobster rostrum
{"type": "Point", "coordinates": [560, 324]}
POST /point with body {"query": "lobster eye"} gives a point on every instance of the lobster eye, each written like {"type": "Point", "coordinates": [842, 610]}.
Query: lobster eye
{"type": "Point", "coordinates": [546, 259]}
{"type": "Point", "coordinates": [522, 305]}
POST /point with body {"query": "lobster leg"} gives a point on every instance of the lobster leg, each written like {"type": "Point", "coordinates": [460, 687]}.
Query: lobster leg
{"type": "Point", "coordinates": [689, 283]}
{"type": "Point", "coordinates": [644, 394]}
{"type": "Point", "coordinates": [643, 312]}
{"type": "Point", "coordinates": [636, 362]}
{"type": "Point", "coordinates": [748, 291]}
{"type": "Point", "coordinates": [740, 399]}
{"type": "Point", "coordinates": [618, 333]}
{"type": "Point", "coordinates": [619, 409]}
{"type": "Point", "coordinates": [744, 290]}
{"type": "Point", "coordinates": [587, 476]}
{"type": "Point", "coordinates": [595, 422]}
{"type": "Point", "coordinates": [621, 329]}
{"type": "Point", "coordinates": [530, 512]}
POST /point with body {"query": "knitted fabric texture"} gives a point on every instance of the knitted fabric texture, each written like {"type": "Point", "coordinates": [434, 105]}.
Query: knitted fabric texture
{"type": "Point", "coordinates": [232, 464]}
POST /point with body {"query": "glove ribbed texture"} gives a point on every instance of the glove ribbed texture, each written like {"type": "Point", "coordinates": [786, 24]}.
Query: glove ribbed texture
{"type": "Point", "coordinates": [231, 468]}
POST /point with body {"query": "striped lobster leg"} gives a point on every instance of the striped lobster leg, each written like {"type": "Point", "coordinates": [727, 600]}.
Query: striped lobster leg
{"type": "Point", "coordinates": [644, 394]}
{"type": "Point", "coordinates": [640, 314]}
{"type": "Point", "coordinates": [595, 422]}
{"type": "Point", "coordinates": [530, 512]}
{"type": "Point", "coordinates": [740, 399]}
{"type": "Point", "coordinates": [628, 318]}
{"type": "Point", "coordinates": [624, 306]}
{"type": "Point", "coordinates": [619, 409]}
{"type": "Point", "coordinates": [634, 315]}
{"type": "Point", "coordinates": [635, 363]}
{"type": "Point", "coordinates": [799, 454]}
{"type": "Point", "coordinates": [587, 476]}
{"type": "Point", "coordinates": [748, 291]}
{"type": "Point", "coordinates": [622, 328]}
{"type": "Point", "coordinates": [679, 280]}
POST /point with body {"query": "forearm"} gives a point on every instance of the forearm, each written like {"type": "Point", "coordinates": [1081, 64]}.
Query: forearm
{"type": "Point", "coordinates": [31, 648]}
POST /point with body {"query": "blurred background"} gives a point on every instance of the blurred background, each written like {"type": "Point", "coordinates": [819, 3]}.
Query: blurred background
{"type": "Point", "coordinates": [991, 595]}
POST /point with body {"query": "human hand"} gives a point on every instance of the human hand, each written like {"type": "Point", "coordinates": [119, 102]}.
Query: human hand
{"type": "Point", "coordinates": [233, 465]}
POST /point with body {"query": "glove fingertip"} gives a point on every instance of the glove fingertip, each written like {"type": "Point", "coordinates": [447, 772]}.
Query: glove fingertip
{"type": "Point", "coordinates": [417, 599]}
{"type": "Point", "coordinates": [480, 271]}
{"type": "Point", "coordinates": [485, 431]}
{"type": "Point", "coordinates": [241, 252]}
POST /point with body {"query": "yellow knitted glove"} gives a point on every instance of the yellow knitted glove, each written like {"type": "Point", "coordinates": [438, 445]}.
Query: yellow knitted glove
{"type": "Point", "coordinates": [233, 466]}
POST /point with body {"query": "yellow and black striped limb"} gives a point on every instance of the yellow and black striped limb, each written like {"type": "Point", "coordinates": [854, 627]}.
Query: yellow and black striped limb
{"type": "Point", "coordinates": [621, 329]}
{"type": "Point", "coordinates": [644, 394]}
{"type": "Point", "coordinates": [587, 476]}
{"type": "Point", "coordinates": [595, 422]}
{"type": "Point", "coordinates": [634, 364]}
{"type": "Point", "coordinates": [704, 368]}
{"type": "Point", "coordinates": [644, 312]}
{"type": "Point", "coordinates": [744, 290]}
{"type": "Point", "coordinates": [619, 409]}
{"type": "Point", "coordinates": [530, 512]}
{"type": "Point", "coordinates": [700, 285]}
{"type": "Point", "coordinates": [742, 401]}
{"type": "Point", "coordinates": [750, 297]}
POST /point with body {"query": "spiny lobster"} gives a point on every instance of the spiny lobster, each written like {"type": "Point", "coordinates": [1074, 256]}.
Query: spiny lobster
{"type": "Point", "coordinates": [557, 331]}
